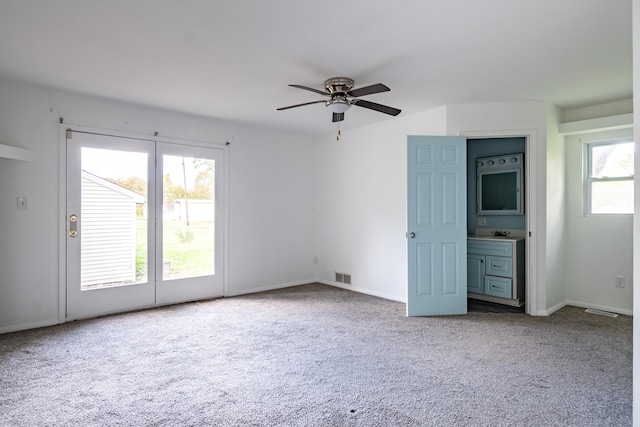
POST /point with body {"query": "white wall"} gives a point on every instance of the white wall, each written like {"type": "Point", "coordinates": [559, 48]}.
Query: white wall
{"type": "Point", "coordinates": [636, 219]}
{"type": "Point", "coordinates": [599, 248]}
{"type": "Point", "coordinates": [271, 204]}
{"type": "Point", "coordinates": [556, 234]}
{"type": "Point", "coordinates": [362, 203]}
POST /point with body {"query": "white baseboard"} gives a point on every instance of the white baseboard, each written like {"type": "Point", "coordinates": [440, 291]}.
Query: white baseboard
{"type": "Point", "coordinates": [362, 290]}
{"type": "Point", "coordinates": [551, 310]}
{"type": "Point", "coordinates": [271, 287]}
{"type": "Point", "coordinates": [25, 326]}
{"type": "Point", "coordinates": [601, 307]}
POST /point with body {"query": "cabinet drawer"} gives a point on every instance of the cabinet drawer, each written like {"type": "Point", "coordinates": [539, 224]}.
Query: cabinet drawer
{"type": "Point", "coordinates": [497, 286]}
{"type": "Point", "coordinates": [487, 247]}
{"type": "Point", "coordinates": [499, 266]}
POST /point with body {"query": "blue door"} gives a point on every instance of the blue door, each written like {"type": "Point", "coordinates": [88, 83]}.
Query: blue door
{"type": "Point", "coordinates": [437, 225]}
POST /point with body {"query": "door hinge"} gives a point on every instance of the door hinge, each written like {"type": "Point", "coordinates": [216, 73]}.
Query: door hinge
{"type": "Point", "coordinates": [69, 133]}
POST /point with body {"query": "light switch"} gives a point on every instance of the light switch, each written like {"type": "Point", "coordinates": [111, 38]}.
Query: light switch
{"type": "Point", "coordinates": [23, 204]}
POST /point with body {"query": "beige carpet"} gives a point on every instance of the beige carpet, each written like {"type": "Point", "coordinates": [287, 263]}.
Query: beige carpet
{"type": "Point", "coordinates": [318, 356]}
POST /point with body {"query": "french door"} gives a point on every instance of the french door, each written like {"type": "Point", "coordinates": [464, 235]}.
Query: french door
{"type": "Point", "coordinates": [189, 235]}
{"type": "Point", "coordinates": [144, 223]}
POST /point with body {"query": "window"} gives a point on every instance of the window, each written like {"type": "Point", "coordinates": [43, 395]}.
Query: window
{"type": "Point", "coordinates": [609, 178]}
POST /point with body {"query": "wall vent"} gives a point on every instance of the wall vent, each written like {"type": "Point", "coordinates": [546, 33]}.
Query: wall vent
{"type": "Point", "coordinates": [600, 312]}
{"type": "Point", "coordinates": [343, 278]}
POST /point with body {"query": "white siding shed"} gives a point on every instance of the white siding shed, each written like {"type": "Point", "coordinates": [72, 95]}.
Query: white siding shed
{"type": "Point", "coordinates": [108, 232]}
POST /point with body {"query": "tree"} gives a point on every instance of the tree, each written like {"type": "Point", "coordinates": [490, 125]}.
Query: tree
{"type": "Point", "coordinates": [172, 191]}
{"type": "Point", "coordinates": [204, 183]}
{"type": "Point", "coordinates": [133, 183]}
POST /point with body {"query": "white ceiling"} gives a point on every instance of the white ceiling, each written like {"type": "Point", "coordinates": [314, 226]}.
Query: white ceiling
{"type": "Point", "coordinates": [233, 59]}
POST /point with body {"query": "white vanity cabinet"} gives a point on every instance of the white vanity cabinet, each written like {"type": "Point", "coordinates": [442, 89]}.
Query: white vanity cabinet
{"type": "Point", "coordinates": [495, 270]}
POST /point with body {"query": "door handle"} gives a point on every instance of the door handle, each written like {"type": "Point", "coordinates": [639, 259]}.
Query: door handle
{"type": "Point", "coordinates": [411, 235]}
{"type": "Point", "coordinates": [73, 225]}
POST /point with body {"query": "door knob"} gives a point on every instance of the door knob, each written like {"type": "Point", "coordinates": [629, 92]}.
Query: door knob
{"type": "Point", "coordinates": [411, 235]}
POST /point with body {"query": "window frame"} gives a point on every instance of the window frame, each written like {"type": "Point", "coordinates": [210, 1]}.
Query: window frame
{"type": "Point", "coordinates": [590, 180]}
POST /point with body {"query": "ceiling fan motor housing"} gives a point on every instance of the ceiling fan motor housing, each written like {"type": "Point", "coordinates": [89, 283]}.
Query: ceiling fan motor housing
{"type": "Point", "coordinates": [339, 85]}
{"type": "Point", "coordinates": [338, 88]}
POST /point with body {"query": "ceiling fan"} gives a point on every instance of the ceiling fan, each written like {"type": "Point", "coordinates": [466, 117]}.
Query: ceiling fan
{"type": "Point", "coordinates": [342, 96]}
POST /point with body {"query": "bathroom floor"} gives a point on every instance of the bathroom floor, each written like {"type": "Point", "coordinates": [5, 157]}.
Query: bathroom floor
{"type": "Point", "coordinates": [478, 306]}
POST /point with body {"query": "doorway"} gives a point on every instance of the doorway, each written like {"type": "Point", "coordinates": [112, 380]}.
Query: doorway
{"type": "Point", "coordinates": [528, 232]}
{"type": "Point", "coordinates": [504, 140]}
{"type": "Point", "coordinates": [144, 223]}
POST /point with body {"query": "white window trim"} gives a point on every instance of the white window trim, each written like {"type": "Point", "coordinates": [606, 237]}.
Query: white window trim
{"type": "Point", "coordinates": [588, 180]}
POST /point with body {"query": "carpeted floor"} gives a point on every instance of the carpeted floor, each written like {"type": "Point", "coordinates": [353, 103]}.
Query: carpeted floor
{"type": "Point", "coordinates": [318, 356]}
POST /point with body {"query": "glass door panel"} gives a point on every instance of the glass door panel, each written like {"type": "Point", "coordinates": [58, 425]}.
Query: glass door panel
{"type": "Point", "coordinates": [188, 217]}
{"type": "Point", "coordinates": [190, 243]}
{"type": "Point", "coordinates": [113, 234]}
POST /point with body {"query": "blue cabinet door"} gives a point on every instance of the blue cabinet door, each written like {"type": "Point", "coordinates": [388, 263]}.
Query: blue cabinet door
{"type": "Point", "coordinates": [475, 273]}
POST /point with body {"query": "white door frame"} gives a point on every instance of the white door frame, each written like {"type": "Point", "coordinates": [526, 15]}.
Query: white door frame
{"type": "Point", "coordinates": [531, 260]}
{"type": "Point", "coordinates": [62, 198]}
{"type": "Point", "coordinates": [103, 300]}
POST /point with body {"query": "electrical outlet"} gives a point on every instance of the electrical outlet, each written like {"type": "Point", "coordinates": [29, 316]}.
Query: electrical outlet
{"type": "Point", "coordinates": [23, 204]}
{"type": "Point", "coordinates": [620, 281]}
{"type": "Point", "coordinates": [482, 221]}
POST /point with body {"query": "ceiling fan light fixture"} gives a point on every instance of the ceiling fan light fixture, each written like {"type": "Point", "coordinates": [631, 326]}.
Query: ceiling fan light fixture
{"type": "Point", "coordinates": [338, 105]}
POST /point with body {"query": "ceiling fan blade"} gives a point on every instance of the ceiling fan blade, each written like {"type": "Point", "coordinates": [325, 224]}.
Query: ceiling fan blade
{"type": "Point", "coordinates": [321, 92]}
{"type": "Point", "coordinates": [377, 107]}
{"type": "Point", "coordinates": [338, 117]}
{"type": "Point", "coordinates": [368, 90]}
{"type": "Point", "coordinates": [300, 105]}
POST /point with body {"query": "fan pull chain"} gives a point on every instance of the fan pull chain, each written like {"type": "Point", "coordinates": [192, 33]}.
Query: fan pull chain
{"type": "Point", "coordinates": [338, 136]}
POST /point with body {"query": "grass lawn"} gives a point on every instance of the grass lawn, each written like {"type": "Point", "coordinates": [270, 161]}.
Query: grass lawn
{"type": "Point", "coordinates": [189, 250]}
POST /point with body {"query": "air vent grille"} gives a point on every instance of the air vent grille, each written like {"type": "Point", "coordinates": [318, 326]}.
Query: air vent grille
{"type": "Point", "coordinates": [600, 312]}
{"type": "Point", "coordinates": [343, 278]}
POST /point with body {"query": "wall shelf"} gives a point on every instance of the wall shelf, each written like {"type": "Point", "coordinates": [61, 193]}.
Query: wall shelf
{"type": "Point", "coordinates": [620, 121]}
{"type": "Point", "coordinates": [15, 153]}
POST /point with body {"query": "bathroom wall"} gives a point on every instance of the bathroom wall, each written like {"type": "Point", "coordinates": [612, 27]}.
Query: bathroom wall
{"type": "Point", "coordinates": [487, 147]}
